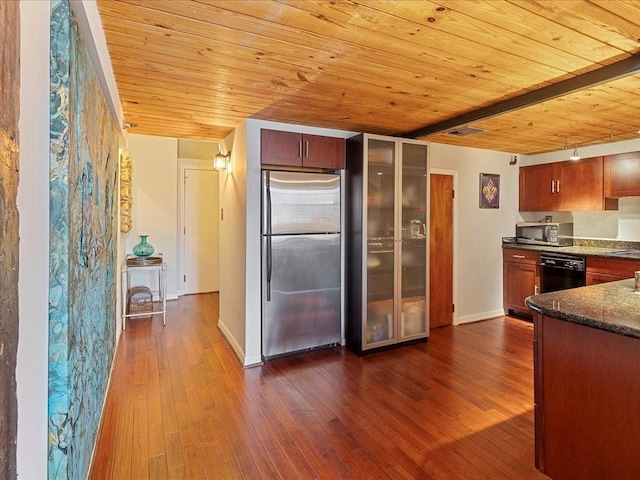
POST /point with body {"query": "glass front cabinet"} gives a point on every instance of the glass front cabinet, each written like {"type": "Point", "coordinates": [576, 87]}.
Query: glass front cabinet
{"type": "Point", "coordinates": [387, 205]}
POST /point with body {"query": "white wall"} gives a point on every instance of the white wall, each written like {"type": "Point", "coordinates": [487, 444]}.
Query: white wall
{"type": "Point", "coordinates": [33, 205]}
{"type": "Point", "coordinates": [155, 203]}
{"type": "Point", "coordinates": [233, 239]}
{"type": "Point", "coordinates": [621, 224]}
{"type": "Point", "coordinates": [196, 149]}
{"type": "Point", "coordinates": [478, 232]}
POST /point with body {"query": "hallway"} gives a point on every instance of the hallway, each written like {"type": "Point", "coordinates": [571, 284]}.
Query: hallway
{"type": "Point", "coordinates": [180, 406]}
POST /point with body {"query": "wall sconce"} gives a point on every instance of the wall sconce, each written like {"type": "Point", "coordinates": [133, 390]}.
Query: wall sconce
{"type": "Point", "coordinates": [222, 161]}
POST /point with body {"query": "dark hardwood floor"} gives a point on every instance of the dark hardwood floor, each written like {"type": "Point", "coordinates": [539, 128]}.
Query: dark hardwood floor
{"type": "Point", "coordinates": [180, 406]}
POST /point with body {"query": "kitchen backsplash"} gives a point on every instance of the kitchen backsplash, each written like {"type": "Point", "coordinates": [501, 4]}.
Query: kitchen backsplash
{"type": "Point", "coordinates": [622, 224]}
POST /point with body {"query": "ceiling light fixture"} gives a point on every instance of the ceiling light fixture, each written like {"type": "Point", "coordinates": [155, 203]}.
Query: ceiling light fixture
{"type": "Point", "coordinates": [575, 155]}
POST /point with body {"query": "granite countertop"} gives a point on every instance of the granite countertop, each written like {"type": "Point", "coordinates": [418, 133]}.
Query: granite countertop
{"type": "Point", "coordinates": [629, 252]}
{"type": "Point", "coordinates": [613, 307]}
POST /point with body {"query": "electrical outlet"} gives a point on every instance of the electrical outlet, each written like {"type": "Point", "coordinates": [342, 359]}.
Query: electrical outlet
{"type": "Point", "coordinates": [221, 214]}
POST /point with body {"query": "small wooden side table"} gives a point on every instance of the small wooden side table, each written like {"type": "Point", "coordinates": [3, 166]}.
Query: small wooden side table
{"type": "Point", "coordinates": [142, 264]}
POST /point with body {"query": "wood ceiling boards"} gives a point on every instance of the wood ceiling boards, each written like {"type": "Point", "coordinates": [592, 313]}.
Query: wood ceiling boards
{"type": "Point", "coordinates": [197, 69]}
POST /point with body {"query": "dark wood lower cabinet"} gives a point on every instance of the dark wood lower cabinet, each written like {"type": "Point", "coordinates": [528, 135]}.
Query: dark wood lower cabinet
{"type": "Point", "coordinates": [520, 279]}
{"type": "Point", "coordinates": [603, 270]}
{"type": "Point", "coordinates": [586, 395]}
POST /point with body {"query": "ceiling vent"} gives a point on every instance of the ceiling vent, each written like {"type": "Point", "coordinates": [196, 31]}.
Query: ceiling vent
{"type": "Point", "coordinates": [464, 131]}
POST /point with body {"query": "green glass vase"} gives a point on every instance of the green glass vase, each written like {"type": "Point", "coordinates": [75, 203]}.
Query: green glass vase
{"type": "Point", "coordinates": [144, 248]}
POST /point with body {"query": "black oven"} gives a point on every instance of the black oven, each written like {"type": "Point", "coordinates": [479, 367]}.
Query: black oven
{"type": "Point", "coordinates": [559, 271]}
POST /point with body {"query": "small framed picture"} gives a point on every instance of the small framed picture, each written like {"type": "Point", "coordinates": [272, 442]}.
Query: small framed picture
{"type": "Point", "coordinates": [489, 190]}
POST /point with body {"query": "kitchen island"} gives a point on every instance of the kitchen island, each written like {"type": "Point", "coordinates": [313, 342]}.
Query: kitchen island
{"type": "Point", "coordinates": [587, 381]}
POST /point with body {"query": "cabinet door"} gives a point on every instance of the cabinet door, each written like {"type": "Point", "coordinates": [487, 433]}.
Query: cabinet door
{"type": "Point", "coordinates": [538, 188]}
{"type": "Point", "coordinates": [580, 185]}
{"type": "Point", "coordinates": [280, 148]}
{"type": "Point", "coordinates": [601, 270]}
{"type": "Point", "coordinates": [622, 175]}
{"type": "Point", "coordinates": [413, 219]}
{"type": "Point", "coordinates": [379, 327]}
{"type": "Point", "coordinates": [598, 278]}
{"type": "Point", "coordinates": [520, 282]}
{"type": "Point", "coordinates": [323, 152]}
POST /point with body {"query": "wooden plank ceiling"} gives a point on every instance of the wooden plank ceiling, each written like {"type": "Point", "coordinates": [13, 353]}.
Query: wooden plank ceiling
{"type": "Point", "coordinates": [197, 69]}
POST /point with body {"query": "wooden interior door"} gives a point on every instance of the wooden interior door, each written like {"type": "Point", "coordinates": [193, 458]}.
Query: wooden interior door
{"type": "Point", "coordinates": [441, 251]}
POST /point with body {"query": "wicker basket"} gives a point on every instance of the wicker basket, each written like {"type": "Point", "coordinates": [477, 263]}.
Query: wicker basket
{"type": "Point", "coordinates": [139, 300]}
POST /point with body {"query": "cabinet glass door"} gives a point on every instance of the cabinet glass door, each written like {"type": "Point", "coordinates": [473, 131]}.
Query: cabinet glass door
{"type": "Point", "coordinates": [381, 179]}
{"type": "Point", "coordinates": [413, 281]}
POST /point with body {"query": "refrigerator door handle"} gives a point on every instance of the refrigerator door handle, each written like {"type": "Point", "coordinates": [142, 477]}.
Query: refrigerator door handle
{"type": "Point", "coordinates": [268, 209]}
{"type": "Point", "coordinates": [269, 252]}
{"type": "Point", "coordinates": [269, 264]}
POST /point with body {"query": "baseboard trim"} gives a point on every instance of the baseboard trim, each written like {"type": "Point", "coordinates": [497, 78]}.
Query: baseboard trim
{"type": "Point", "coordinates": [476, 317]}
{"type": "Point", "coordinates": [245, 361]}
{"type": "Point", "coordinates": [170, 296]}
{"type": "Point", "coordinates": [235, 346]}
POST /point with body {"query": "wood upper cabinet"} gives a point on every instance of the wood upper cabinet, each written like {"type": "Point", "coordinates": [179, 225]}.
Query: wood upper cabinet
{"type": "Point", "coordinates": [622, 175]}
{"type": "Point", "coordinates": [323, 152]}
{"type": "Point", "coordinates": [537, 188]}
{"type": "Point", "coordinates": [281, 148]}
{"type": "Point", "coordinates": [293, 149]}
{"type": "Point", "coordinates": [520, 279]}
{"type": "Point", "coordinates": [564, 186]}
{"type": "Point", "coordinates": [580, 185]}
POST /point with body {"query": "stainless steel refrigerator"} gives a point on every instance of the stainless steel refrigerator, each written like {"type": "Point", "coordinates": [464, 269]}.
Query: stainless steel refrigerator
{"type": "Point", "coordinates": [301, 261]}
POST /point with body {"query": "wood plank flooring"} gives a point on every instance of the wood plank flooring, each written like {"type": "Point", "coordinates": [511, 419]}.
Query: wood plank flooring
{"type": "Point", "coordinates": [180, 406]}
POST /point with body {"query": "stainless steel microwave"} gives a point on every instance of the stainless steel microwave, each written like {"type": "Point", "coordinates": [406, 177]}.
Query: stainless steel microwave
{"type": "Point", "coordinates": [553, 234]}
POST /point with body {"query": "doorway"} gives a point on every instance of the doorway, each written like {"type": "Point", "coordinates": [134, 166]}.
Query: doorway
{"type": "Point", "coordinates": [200, 231]}
{"type": "Point", "coordinates": [441, 304]}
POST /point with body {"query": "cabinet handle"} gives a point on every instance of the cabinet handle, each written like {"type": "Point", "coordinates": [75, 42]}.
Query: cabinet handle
{"type": "Point", "coordinates": [535, 289]}
{"type": "Point", "coordinates": [558, 187]}
{"type": "Point", "coordinates": [306, 147]}
{"type": "Point", "coordinates": [519, 256]}
{"type": "Point", "coordinates": [553, 186]}
{"type": "Point", "coordinates": [300, 148]}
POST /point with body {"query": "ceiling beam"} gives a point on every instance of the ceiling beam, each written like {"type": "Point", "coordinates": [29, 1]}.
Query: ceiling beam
{"type": "Point", "coordinates": [614, 71]}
